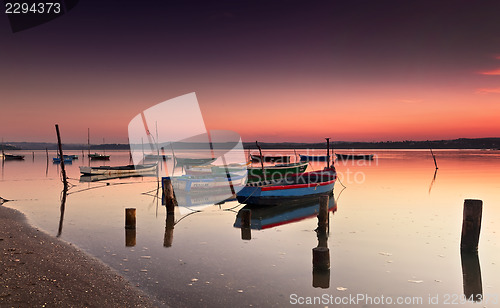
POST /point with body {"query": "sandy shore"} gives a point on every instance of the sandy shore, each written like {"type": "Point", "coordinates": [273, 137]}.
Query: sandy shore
{"type": "Point", "coordinates": [37, 270]}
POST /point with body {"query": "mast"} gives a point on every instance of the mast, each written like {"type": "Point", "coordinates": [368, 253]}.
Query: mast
{"type": "Point", "coordinates": [327, 153]}
{"type": "Point", "coordinates": [88, 140]}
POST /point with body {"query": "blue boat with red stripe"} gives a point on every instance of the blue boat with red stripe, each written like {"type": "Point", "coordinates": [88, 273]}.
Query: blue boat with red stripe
{"type": "Point", "coordinates": [293, 187]}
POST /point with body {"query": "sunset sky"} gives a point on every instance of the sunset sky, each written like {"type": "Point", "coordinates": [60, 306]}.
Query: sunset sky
{"type": "Point", "coordinates": [270, 70]}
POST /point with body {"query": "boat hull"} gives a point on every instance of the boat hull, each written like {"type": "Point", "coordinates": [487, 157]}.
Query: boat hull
{"type": "Point", "coordinates": [255, 174]}
{"type": "Point", "coordinates": [313, 158]}
{"type": "Point", "coordinates": [270, 158]}
{"type": "Point", "coordinates": [297, 187]}
{"type": "Point", "coordinates": [118, 170]}
{"type": "Point", "coordinates": [354, 156]}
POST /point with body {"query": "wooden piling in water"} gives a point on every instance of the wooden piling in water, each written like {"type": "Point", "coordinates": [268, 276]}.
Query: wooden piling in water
{"type": "Point", "coordinates": [471, 225]}
{"type": "Point", "coordinates": [130, 218]}
{"type": "Point", "coordinates": [63, 169]}
{"type": "Point", "coordinates": [168, 192]}
{"type": "Point", "coordinates": [323, 213]}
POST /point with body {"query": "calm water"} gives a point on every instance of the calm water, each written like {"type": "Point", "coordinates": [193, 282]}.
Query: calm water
{"type": "Point", "coordinates": [396, 234]}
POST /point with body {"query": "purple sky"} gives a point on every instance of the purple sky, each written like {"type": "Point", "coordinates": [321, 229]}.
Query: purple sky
{"type": "Point", "coordinates": [269, 70]}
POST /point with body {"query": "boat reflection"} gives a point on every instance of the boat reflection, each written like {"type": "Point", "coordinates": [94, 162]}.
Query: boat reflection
{"type": "Point", "coordinates": [265, 217]}
{"type": "Point", "coordinates": [104, 177]}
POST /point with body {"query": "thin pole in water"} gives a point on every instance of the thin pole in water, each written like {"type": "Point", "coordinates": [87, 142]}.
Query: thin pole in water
{"type": "Point", "coordinates": [327, 152]}
{"type": "Point", "coordinates": [63, 170]}
{"type": "Point", "coordinates": [433, 156]}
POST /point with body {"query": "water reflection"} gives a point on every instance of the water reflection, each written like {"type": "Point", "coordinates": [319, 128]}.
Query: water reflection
{"type": "Point", "coordinates": [471, 273]}
{"type": "Point", "coordinates": [265, 217]}
{"type": "Point", "coordinates": [64, 194]}
{"type": "Point", "coordinates": [433, 180]}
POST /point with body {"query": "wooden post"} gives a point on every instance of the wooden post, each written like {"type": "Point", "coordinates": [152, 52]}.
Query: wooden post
{"type": "Point", "coordinates": [130, 218]}
{"type": "Point", "coordinates": [63, 170]}
{"type": "Point", "coordinates": [47, 153]}
{"type": "Point", "coordinates": [323, 214]}
{"type": "Point", "coordinates": [33, 155]}
{"type": "Point", "coordinates": [471, 225]}
{"type": "Point", "coordinates": [168, 192]}
{"type": "Point", "coordinates": [433, 156]}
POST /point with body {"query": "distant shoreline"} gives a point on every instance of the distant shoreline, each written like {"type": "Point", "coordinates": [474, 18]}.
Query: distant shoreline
{"type": "Point", "coordinates": [461, 143]}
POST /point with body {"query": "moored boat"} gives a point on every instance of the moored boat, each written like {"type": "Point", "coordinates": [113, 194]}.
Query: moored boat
{"type": "Point", "coordinates": [188, 161]}
{"type": "Point", "coordinates": [354, 156]}
{"type": "Point", "coordinates": [207, 183]}
{"type": "Point", "coordinates": [12, 157]}
{"type": "Point", "coordinates": [98, 156]}
{"type": "Point", "coordinates": [116, 170]}
{"type": "Point", "coordinates": [67, 160]}
{"type": "Point", "coordinates": [270, 158]}
{"type": "Point", "coordinates": [277, 171]}
{"type": "Point", "coordinates": [293, 187]}
{"type": "Point", "coordinates": [217, 169]}
{"type": "Point", "coordinates": [313, 157]}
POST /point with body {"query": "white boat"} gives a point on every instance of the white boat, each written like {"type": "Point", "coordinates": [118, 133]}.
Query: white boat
{"type": "Point", "coordinates": [109, 170]}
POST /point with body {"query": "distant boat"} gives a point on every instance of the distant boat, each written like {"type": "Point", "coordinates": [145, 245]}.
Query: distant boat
{"type": "Point", "coordinates": [313, 157]}
{"type": "Point", "coordinates": [354, 156]}
{"type": "Point", "coordinates": [12, 157]}
{"type": "Point", "coordinates": [67, 160]}
{"type": "Point", "coordinates": [270, 158]}
{"type": "Point", "coordinates": [97, 156]}
{"type": "Point", "coordinates": [294, 187]}
{"type": "Point", "coordinates": [116, 170]}
{"type": "Point", "coordinates": [277, 171]}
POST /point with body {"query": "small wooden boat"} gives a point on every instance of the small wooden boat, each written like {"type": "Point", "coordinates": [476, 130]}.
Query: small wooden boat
{"type": "Point", "coordinates": [354, 156]}
{"type": "Point", "coordinates": [188, 161]}
{"type": "Point", "coordinates": [313, 158]}
{"type": "Point", "coordinates": [217, 169]}
{"type": "Point", "coordinates": [12, 157]}
{"type": "Point", "coordinates": [278, 171]}
{"type": "Point", "coordinates": [97, 156]}
{"type": "Point", "coordinates": [206, 183]}
{"type": "Point", "coordinates": [293, 187]}
{"type": "Point", "coordinates": [270, 158]}
{"type": "Point", "coordinates": [108, 170]}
